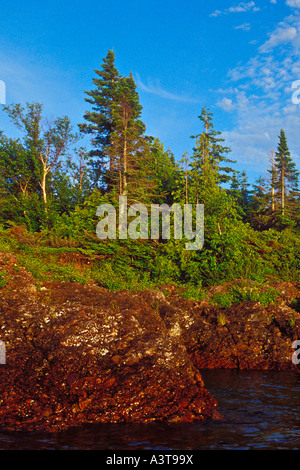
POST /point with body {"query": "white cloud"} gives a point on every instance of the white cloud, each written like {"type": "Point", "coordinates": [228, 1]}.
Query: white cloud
{"type": "Point", "coordinates": [216, 13]}
{"type": "Point", "coordinates": [243, 27]}
{"type": "Point", "coordinates": [240, 8]}
{"type": "Point", "coordinates": [226, 104]}
{"type": "Point", "coordinates": [243, 7]}
{"type": "Point", "coordinates": [261, 93]}
{"type": "Point", "coordinates": [293, 3]}
{"type": "Point", "coordinates": [283, 34]}
{"type": "Point", "coordinates": [155, 89]}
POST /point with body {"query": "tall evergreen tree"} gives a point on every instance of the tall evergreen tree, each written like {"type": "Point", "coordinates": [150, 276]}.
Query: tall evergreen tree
{"type": "Point", "coordinates": [258, 206]}
{"type": "Point", "coordinates": [245, 193]}
{"type": "Point", "coordinates": [99, 121]}
{"type": "Point", "coordinates": [127, 140]}
{"type": "Point", "coordinates": [206, 176]}
{"type": "Point", "coordinates": [287, 175]}
{"type": "Point", "coordinates": [161, 171]}
{"type": "Point", "coordinates": [209, 150]}
{"type": "Point", "coordinates": [273, 182]}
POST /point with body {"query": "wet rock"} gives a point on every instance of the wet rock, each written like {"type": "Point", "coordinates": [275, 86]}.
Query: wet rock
{"type": "Point", "coordinates": [245, 336]}
{"type": "Point", "coordinates": [80, 354]}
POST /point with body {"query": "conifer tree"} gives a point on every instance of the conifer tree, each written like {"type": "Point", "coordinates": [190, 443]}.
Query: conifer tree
{"type": "Point", "coordinates": [99, 121]}
{"type": "Point", "coordinates": [127, 139]}
{"type": "Point", "coordinates": [207, 175]}
{"type": "Point", "coordinates": [161, 170]}
{"type": "Point", "coordinates": [235, 184]}
{"type": "Point", "coordinates": [245, 193]}
{"type": "Point", "coordinates": [209, 151]}
{"type": "Point", "coordinates": [273, 181]}
{"type": "Point", "coordinates": [259, 204]}
{"type": "Point", "coordinates": [287, 175]}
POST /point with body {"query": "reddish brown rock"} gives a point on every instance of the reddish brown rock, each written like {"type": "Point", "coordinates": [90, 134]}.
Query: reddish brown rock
{"type": "Point", "coordinates": [79, 354]}
{"type": "Point", "coordinates": [244, 336]}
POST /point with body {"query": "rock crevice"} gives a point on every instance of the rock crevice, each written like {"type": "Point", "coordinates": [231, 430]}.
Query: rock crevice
{"type": "Point", "coordinates": [80, 354]}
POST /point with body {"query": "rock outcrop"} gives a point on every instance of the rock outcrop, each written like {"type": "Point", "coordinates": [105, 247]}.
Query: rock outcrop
{"type": "Point", "coordinates": [244, 336]}
{"type": "Point", "coordinates": [80, 354]}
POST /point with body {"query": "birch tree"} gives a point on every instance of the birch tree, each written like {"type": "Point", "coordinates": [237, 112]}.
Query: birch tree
{"type": "Point", "coordinates": [45, 143]}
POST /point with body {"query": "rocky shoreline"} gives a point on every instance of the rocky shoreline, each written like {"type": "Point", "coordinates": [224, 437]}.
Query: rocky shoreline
{"type": "Point", "coordinates": [79, 354]}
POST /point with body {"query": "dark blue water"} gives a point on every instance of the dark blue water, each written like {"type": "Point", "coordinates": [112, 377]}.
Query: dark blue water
{"type": "Point", "coordinates": [261, 411]}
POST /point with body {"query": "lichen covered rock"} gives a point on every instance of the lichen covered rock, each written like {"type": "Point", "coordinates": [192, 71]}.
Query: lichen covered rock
{"type": "Point", "coordinates": [247, 335]}
{"type": "Point", "coordinates": [80, 354]}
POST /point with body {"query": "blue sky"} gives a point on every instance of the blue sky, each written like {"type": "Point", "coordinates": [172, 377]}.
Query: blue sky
{"type": "Point", "coordinates": [237, 58]}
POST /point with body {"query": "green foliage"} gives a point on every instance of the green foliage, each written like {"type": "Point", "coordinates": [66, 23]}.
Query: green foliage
{"type": "Point", "coordinates": [114, 277]}
{"type": "Point", "coordinates": [99, 121]}
{"type": "Point", "coordinates": [3, 279]}
{"type": "Point", "coordinates": [194, 292]}
{"type": "Point", "coordinates": [50, 191]}
{"type": "Point", "coordinates": [238, 294]}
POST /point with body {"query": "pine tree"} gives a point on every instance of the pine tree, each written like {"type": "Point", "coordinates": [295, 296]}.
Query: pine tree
{"type": "Point", "coordinates": [287, 175]}
{"type": "Point", "coordinates": [128, 145]}
{"type": "Point", "coordinates": [162, 171]}
{"type": "Point", "coordinates": [207, 175]}
{"type": "Point", "coordinates": [182, 180]}
{"type": "Point", "coordinates": [235, 185]}
{"type": "Point", "coordinates": [245, 193]}
{"type": "Point", "coordinates": [210, 152]}
{"type": "Point", "coordinates": [258, 206]}
{"type": "Point", "coordinates": [99, 121]}
{"type": "Point", "coordinates": [273, 181]}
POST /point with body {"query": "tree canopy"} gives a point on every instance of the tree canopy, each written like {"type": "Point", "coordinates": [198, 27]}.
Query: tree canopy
{"type": "Point", "coordinates": [51, 184]}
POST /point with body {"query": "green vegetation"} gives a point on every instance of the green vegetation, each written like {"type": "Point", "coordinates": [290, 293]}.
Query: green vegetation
{"type": "Point", "coordinates": [51, 186]}
{"type": "Point", "coordinates": [237, 294]}
{"type": "Point", "coordinates": [3, 279]}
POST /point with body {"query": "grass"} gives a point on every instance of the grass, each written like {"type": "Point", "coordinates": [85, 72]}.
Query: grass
{"type": "Point", "coordinates": [139, 266]}
{"type": "Point", "coordinates": [194, 293]}
{"type": "Point", "coordinates": [43, 269]}
{"type": "Point", "coordinates": [120, 278]}
{"type": "Point", "coordinates": [221, 318]}
{"type": "Point", "coordinates": [3, 279]}
{"type": "Point", "coordinates": [238, 294]}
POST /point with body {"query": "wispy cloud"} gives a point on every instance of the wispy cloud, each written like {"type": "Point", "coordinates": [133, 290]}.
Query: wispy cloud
{"type": "Point", "coordinates": [293, 3]}
{"type": "Point", "coordinates": [259, 94]}
{"type": "Point", "coordinates": [226, 104]}
{"type": "Point", "coordinates": [240, 8]}
{"type": "Point", "coordinates": [283, 34]}
{"type": "Point", "coordinates": [154, 88]}
{"type": "Point", "coordinates": [243, 27]}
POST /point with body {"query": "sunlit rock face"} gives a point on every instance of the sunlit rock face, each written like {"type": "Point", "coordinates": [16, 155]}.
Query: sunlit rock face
{"type": "Point", "coordinates": [80, 354]}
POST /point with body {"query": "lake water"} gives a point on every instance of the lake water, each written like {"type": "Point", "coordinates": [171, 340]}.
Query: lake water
{"type": "Point", "coordinates": [261, 411]}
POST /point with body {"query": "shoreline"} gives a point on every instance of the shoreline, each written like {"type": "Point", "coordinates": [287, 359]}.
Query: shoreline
{"type": "Point", "coordinates": [79, 354]}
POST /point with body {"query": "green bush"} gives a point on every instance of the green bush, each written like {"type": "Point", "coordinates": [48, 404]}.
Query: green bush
{"type": "Point", "coordinates": [194, 292]}
{"type": "Point", "coordinates": [238, 294]}
{"type": "Point", "coordinates": [3, 279]}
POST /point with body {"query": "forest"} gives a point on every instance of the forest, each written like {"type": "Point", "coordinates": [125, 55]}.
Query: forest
{"type": "Point", "coordinates": [51, 185]}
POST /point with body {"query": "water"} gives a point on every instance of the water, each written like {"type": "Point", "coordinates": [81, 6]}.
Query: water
{"type": "Point", "coordinates": [261, 411]}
